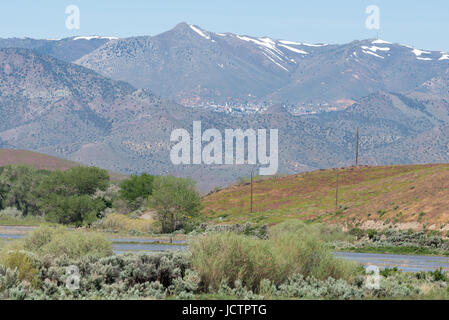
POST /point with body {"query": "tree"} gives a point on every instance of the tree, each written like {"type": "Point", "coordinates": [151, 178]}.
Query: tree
{"type": "Point", "coordinates": [175, 201]}
{"type": "Point", "coordinates": [75, 181]}
{"type": "Point", "coordinates": [68, 196]}
{"type": "Point", "coordinates": [137, 188]}
{"type": "Point", "coordinates": [77, 210]}
{"type": "Point", "coordinates": [17, 187]}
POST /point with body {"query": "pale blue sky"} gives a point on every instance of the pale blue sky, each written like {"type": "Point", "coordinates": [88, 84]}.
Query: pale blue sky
{"type": "Point", "coordinates": [423, 24]}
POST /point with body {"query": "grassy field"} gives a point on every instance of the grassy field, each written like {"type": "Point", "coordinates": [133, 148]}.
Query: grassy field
{"type": "Point", "coordinates": [413, 196]}
{"type": "Point", "coordinates": [26, 221]}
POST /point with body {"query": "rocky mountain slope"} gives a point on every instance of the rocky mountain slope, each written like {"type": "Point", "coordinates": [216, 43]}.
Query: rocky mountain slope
{"type": "Point", "coordinates": [67, 49]}
{"type": "Point", "coordinates": [396, 96]}
{"type": "Point", "coordinates": [195, 67]}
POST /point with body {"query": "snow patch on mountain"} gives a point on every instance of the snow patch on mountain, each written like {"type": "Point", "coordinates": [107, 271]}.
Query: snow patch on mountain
{"type": "Point", "coordinates": [418, 52]}
{"type": "Point", "coordinates": [445, 56]}
{"type": "Point", "coordinates": [94, 37]}
{"type": "Point", "coordinates": [200, 32]}
{"type": "Point", "coordinates": [293, 49]}
{"type": "Point", "coordinates": [276, 63]}
{"type": "Point", "coordinates": [291, 42]}
{"type": "Point", "coordinates": [379, 41]}
{"type": "Point", "coordinates": [315, 45]}
{"type": "Point", "coordinates": [269, 46]}
{"type": "Point", "coordinates": [375, 49]}
{"type": "Point", "coordinates": [373, 54]}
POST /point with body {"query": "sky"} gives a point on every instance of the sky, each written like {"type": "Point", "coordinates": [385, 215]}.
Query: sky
{"type": "Point", "coordinates": [424, 25]}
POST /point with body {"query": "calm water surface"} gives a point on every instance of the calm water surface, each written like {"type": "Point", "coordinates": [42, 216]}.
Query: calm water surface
{"type": "Point", "coordinates": [406, 263]}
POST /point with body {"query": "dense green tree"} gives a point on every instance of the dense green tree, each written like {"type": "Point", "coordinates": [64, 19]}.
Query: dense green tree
{"type": "Point", "coordinates": [75, 181]}
{"type": "Point", "coordinates": [77, 210]}
{"type": "Point", "coordinates": [67, 196]}
{"type": "Point", "coordinates": [175, 201]}
{"type": "Point", "coordinates": [62, 196]}
{"type": "Point", "coordinates": [18, 185]}
{"type": "Point", "coordinates": [137, 188]}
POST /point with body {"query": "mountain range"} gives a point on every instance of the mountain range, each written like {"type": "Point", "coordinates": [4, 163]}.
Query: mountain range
{"type": "Point", "coordinates": [114, 102]}
{"type": "Point", "coordinates": [196, 67]}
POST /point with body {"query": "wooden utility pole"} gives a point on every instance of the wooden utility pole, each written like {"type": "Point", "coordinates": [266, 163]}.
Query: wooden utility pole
{"type": "Point", "coordinates": [251, 191]}
{"type": "Point", "coordinates": [357, 149]}
{"type": "Point", "coordinates": [336, 194]}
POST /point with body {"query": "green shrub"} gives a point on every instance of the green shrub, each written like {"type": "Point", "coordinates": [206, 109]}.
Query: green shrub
{"type": "Point", "coordinates": [439, 275]}
{"type": "Point", "coordinates": [11, 212]}
{"type": "Point", "coordinates": [372, 234]}
{"type": "Point", "coordinates": [306, 253]}
{"type": "Point", "coordinates": [388, 272]}
{"type": "Point", "coordinates": [357, 232]}
{"type": "Point", "coordinates": [40, 237]}
{"type": "Point", "coordinates": [231, 257]}
{"type": "Point", "coordinates": [22, 262]}
{"type": "Point", "coordinates": [58, 241]}
{"type": "Point", "coordinates": [434, 233]}
{"type": "Point", "coordinates": [381, 213]}
{"type": "Point", "coordinates": [421, 215]}
{"type": "Point", "coordinates": [127, 276]}
{"type": "Point", "coordinates": [77, 244]}
{"type": "Point", "coordinates": [324, 232]}
{"type": "Point", "coordinates": [121, 223]}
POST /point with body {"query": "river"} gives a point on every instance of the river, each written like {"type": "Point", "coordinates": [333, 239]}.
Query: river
{"type": "Point", "coordinates": [408, 263]}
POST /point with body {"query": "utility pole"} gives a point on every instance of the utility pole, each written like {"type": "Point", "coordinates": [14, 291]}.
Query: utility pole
{"type": "Point", "coordinates": [357, 149]}
{"type": "Point", "coordinates": [251, 191]}
{"type": "Point", "coordinates": [336, 194]}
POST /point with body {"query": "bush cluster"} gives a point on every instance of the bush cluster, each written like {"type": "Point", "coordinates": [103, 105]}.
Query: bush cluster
{"type": "Point", "coordinates": [396, 238]}
{"type": "Point", "coordinates": [59, 241]}
{"type": "Point", "coordinates": [128, 276]}
{"type": "Point", "coordinates": [292, 263]}
{"type": "Point", "coordinates": [158, 276]}
{"type": "Point", "coordinates": [120, 223]}
{"type": "Point", "coordinates": [247, 228]}
{"type": "Point", "coordinates": [292, 247]}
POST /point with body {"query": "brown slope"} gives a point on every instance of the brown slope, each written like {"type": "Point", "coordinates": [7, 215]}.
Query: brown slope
{"type": "Point", "coordinates": [41, 161]}
{"type": "Point", "coordinates": [414, 196]}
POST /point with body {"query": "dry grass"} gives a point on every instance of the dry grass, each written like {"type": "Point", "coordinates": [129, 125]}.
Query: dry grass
{"type": "Point", "coordinates": [390, 194]}
{"type": "Point", "coordinates": [121, 223]}
{"type": "Point", "coordinates": [293, 248]}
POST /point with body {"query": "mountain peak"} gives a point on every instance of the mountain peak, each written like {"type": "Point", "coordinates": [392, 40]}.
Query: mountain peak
{"type": "Point", "coordinates": [184, 27]}
{"type": "Point", "coordinates": [181, 26]}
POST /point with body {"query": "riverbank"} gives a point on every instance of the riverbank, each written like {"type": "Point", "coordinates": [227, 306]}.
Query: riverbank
{"type": "Point", "coordinates": [408, 250]}
{"type": "Point", "coordinates": [405, 258]}
{"type": "Point", "coordinates": [288, 265]}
